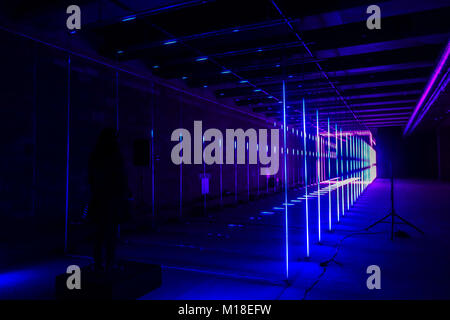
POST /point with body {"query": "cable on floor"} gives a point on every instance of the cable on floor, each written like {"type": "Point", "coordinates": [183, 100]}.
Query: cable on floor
{"type": "Point", "coordinates": [326, 263]}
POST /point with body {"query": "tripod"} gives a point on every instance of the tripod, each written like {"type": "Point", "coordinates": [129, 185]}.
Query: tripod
{"type": "Point", "coordinates": [392, 214]}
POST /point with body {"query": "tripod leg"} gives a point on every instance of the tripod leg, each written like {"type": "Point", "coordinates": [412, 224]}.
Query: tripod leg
{"type": "Point", "coordinates": [377, 222]}
{"type": "Point", "coordinates": [409, 224]}
{"type": "Point", "coordinates": [392, 225]}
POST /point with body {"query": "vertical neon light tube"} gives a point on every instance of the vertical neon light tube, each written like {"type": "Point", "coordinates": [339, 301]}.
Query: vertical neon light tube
{"type": "Point", "coordinates": [286, 225]}
{"type": "Point", "coordinates": [363, 161]}
{"type": "Point", "coordinates": [117, 101]}
{"type": "Point", "coordinates": [347, 171]}
{"type": "Point", "coordinates": [267, 177]}
{"type": "Point", "coordinates": [153, 170]}
{"type": "Point", "coordinates": [181, 179]}
{"type": "Point", "coordinates": [220, 172]}
{"type": "Point", "coordinates": [337, 175]}
{"type": "Point", "coordinates": [34, 130]}
{"type": "Point", "coordinates": [306, 184]}
{"type": "Point", "coordinates": [364, 164]}
{"type": "Point", "coordinates": [318, 174]}
{"type": "Point", "coordinates": [351, 169]}
{"type": "Point", "coordinates": [257, 169]}
{"type": "Point", "coordinates": [299, 166]}
{"type": "Point", "coordinates": [367, 164]}
{"type": "Point", "coordinates": [117, 121]}
{"type": "Point", "coordinates": [235, 173]}
{"type": "Point", "coordinates": [248, 174]}
{"type": "Point", "coordinates": [329, 177]}
{"type": "Point", "coordinates": [360, 166]}
{"type": "Point", "coordinates": [357, 169]}
{"type": "Point", "coordinates": [66, 227]}
{"type": "Point", "coordinates": [366, 177]}
{"type": "Point", "coordinates": [342, 174]}
{"type": "Point", "coordinates": [152, 109]}
{"type": "Point", "coordinates": [204, 175]}
{"type": "Point", "coordinates": [352, 157]}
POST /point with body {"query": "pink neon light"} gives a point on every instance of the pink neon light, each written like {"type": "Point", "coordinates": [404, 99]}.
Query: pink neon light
{"type": "Point", "coordinates": [428, 88]}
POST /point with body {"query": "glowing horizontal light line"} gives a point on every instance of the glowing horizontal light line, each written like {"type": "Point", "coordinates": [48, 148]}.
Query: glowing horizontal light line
{"type": "Point", "coordinates": [226, 72]}
{"type": "Point", "coordinates": [129, 18]}
{"type": "Point", "coordinates": [170, 42]}
{"type": "Point", "coordinates": [201, 59]}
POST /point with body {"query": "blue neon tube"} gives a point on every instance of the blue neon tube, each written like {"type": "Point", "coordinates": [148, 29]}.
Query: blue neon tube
{"type": "Point", "coordinates": [67, 158]}
{"type": "Point", "coordinates": [306, 181]}
{"type": "Point", "coordinates": [342, 173]}
{"type": "Point", "coordinates": [337, 174]}
{"type": "Point", "coordinates": [360, 166]}
{"type": "Point", "coordinates": [329, 177]}
{"type": "Point", "coordinates": [347, 171]}
{"type": "Point", "coordinates": [352, 167]}
{"type": "Point", "coordinates": [318, 174]}
{"type": "Point", "coordinates": [357, 166]}
{"type": "Point", "coordinates": [364, 164]}
{"type": "Point", "coordinates": [350, 164]}
{"type": "Point", "coordinates": [366, 149]}
{"type": "Point", "coordinates": [285, 185]}
{"type": "Point", "coordinates": [181, 180]}
{"type": "Point", "coordinates": [356, 169]}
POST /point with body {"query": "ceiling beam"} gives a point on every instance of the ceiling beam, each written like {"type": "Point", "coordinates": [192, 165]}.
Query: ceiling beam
{"type": "Point", "coordinates": [310, 76]}
{"type": "Point", "coordinates": [314, 22]}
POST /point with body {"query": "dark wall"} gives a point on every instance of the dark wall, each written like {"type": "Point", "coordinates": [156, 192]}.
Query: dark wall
{"type": "Point", "coordinates": [40, 103]}
{"type": "Point", "coordinates": [414, 156]}
{"type": "Point", "coordinates": [444, 151]}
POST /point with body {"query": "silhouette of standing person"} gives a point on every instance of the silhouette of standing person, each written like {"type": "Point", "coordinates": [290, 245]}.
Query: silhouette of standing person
{"type": "Point", "coordinates": [109, 190]}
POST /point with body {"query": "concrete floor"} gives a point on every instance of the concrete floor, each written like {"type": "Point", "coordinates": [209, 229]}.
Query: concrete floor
{"type": "Point", "coordinates": [238, 253]}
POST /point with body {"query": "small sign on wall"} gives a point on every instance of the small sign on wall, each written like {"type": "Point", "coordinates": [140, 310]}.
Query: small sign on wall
{"type": "Point", "coordinates": [204, 177]}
